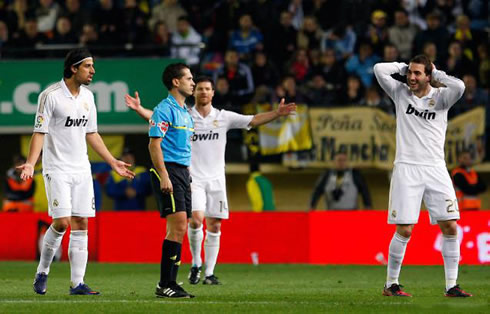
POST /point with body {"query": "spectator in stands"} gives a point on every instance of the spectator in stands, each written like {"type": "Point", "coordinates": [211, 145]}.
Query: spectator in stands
{"type": "Point", "coordinates": [402, 34]}
{"type": "Point", "coordinates": [299, 66]}
{"type": "Point", "coordinates": [15, 16]}
{"type": "Point", "coordinates": [295, 7]}
{"type": "Point", "coordinates": [247, 39]}
{"type": "Point", "coordinates": [89, 36]}
{"type": "Point", "coordinates": [342, 39]}
{"type": "Point", "coordinates": [473, 97]}
{"type": "Point", "coordinates": [264, 72]}
{"type": "Point", "coordinates": [161, 39]}
{"type": "Point", "coordinates": [377, 32]}
{"type": "Point", "coordinates": [4, 38]}
{"type": "Point", "coordinates": [332, 71]}
{"type": "Point", "coordinates": [28, 39]}
{"type": "Point", "coordinates": [318, 93]}
{"type": "Point", "coordinates": [17, 192]}
{"type": "Point", "coordinates": [416, 10]}
{"type": "Point", "coordinates": [484, 66]}
{"type": "Point", "coordinates": [186, 42]}
{"type": "Point", "coordinates": [390, 53]}
{"type": "Point", "coordinates": [326, 12]}
{"type": "Point", "coordinates": [341, 187]}
{"type": "Point", "coordinates": [129, 194]}
{"type": "Point", "coordinates": [467, 183]}
{"type": "Point", "coordinates": [289, 91]}
{"type": "Point", "coordinates": [239, 77]}
{"type": "Point", "coordinates": [167, 11]}
{"type": "Point", "coordinates": [430, 50]}
{"type": "Point", "coordinates": [469, 38]}
{"type": "Point", "coordinates": [223, 99]}
{"type": "Point", "coordinates": [77, 15]}
{"type": "Point", "coordinates": [281, 40]}
{"type": "Point", "coordinates": [108, 20]}
{"type": "Point", "coordinates": [457, 64]}
{"type": "Point", "coordinates": [63, 33]}
{"type": "Point", "coordinates": [362, 63]}
{"type": "Point", "coordinates": [133, 23]}
{"type": "Point", "coordinates": [373, 99]}
{"type": "Point", "coordinates": [353, 93]}
{"type": "Point", "coordinates": [310, 35]}
{"type": "Point", "coordinates": [435, 33]}
{"type": "Point", "coordinates": [46, 14]}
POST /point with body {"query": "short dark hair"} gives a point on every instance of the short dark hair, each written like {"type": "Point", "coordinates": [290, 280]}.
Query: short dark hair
{"type": "Point", "coordinates": [425, 61]}
{"type": "Point", "coordinates": [201, 79]}
{"type": "Point", "coordinates": [173, 71]}
{"type": "Point", "coordinates": [72, 57]}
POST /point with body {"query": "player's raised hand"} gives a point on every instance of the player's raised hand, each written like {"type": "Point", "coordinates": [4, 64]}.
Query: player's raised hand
{"type": "Point", "coordinates": [133, 102]}
{"type": "Point", "coordinates": [122, 169]}
{"type": "Point", "coordinates": [286, 109]}
{"type": "Point", "coordinates": [27, 171]}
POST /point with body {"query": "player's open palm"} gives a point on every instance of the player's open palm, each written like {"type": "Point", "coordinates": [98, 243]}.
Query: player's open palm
{"type": "Point", "coordinates": [286, 109]}
{"type": "Point", "coordinates": [27, 171]}
{"type": "Point", "coordinates": [122, 169]}
{"type": "Point", "coordinates": [133, 102]}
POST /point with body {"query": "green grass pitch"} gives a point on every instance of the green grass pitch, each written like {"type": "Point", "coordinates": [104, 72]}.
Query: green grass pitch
{"type": "Point", "coordinates": [129, 288]}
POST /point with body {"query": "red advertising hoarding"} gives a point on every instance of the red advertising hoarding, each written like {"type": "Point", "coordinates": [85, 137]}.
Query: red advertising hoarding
{"type": "Point", "coordinates": [321, 237]}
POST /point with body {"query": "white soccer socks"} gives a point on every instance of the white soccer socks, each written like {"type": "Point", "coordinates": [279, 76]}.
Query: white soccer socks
{"type": "Point", "coordinates": [195, 243]}
{"type": "Point", "coordinates": [78, 255]}
{"type": "Point", "coordinates": [450, 254]}
{"type": "Point", "coordinates": [211, 249]}
{"type": "Point", "coordinates": [51, 243]}
{"type": "Point", "coordinates": [395, 258]}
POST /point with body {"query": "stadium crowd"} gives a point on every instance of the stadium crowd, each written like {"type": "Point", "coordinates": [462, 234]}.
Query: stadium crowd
{"type": "Point", "coordinates": [318, 52]}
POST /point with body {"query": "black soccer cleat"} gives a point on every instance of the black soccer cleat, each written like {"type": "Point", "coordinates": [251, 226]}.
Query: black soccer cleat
{"type": "Point", "coordinates": [194, 275]}
{"type": "Point", "coordinates": [40, 283]}
{"type": "Point", "coordinates": [173, 290]}
{"type": "Point", "coordinates": [83, 289]}
{"type": "Point", "coordinates": [211, 280]}
{"type": "Point", "coordinates": [395, 290]}
{"type": "Point", "coordinates": [457, 292]}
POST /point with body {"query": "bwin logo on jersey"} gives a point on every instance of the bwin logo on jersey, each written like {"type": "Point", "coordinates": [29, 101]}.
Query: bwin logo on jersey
{"type": "Point", "coordinates": [426, 114]}
{"type": "Point", "coordinates": [205, 136]}
{"type": "Point", "coordinates": [76, 122]}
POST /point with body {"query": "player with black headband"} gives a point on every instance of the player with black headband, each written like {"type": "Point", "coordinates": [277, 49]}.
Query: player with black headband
{"type": "Point", "coordinates": [66, 120]}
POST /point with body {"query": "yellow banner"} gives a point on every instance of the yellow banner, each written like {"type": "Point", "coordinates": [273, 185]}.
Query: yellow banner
{"type": "Point", "coordinates": [367, 135]}
{"type": "Point", "coordinates": [466, 131]}
{"type": "Point", "coordinates": [286, 134]}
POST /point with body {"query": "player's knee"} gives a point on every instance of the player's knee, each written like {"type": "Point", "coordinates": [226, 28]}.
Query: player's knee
{"type": "Point", "coordinates": [195, 223]}
{"type": "Point", "coordinates": [214, 228]}
{"type": "Point", "coordinates": [449, 228]}
{"type": "Point", "coordinates": [79, 223]}
{"type": "Point", "coordinates": [61, 224]}
{"type": "Point", "coordinates": [405, 231]}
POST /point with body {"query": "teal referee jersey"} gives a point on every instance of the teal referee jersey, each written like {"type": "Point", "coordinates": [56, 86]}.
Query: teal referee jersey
{"type": "Point", "coordinates": [175, 125]}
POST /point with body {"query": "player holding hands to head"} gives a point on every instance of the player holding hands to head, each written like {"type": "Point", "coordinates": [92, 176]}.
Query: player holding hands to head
{"type": "Point", "coordinates": [420, 171]}
{"type": "Point", "coordinates": [66, 120]}
{"type": "Point", "coordinates": [207, 169]}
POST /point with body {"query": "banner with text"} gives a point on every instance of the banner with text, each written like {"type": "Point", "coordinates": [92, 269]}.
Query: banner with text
{"type": "Point", "coordinates": [21, 82]}
{"type": "Point", "coordinates": [368, 136]}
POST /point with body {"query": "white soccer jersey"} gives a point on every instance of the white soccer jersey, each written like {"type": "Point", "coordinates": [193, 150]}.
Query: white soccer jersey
{"type": "Point", "coordinates": [65, 120]}
{"type": "Point", "coordinates": [420, 122]}
{"type": "Point", "coordinates": [209, 141]}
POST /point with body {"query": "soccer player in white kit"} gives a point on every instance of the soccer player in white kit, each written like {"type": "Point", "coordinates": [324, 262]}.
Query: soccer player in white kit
{"type": "Point", "coordinates": [207, 169]}
{"type": "Point", "coordinates": [420, 171]}
{"type": "Point", "coordinates": [66, 120]}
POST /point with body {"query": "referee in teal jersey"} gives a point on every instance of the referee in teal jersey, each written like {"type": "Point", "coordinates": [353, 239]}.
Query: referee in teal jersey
{"type": "Point", "coordinates": [171, 128]}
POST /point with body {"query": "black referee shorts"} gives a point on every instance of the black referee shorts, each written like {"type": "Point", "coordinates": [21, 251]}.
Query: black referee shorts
{"type": "Point", "coordinates": [180, 199]}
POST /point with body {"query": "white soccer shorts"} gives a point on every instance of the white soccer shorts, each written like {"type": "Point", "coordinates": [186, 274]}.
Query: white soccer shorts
{"type": "Point", "coordinates": [70, 194]}
{"type": "Point", "coordinates": [210, 197]}
{"type": "Point", "coordinates": [410, 184]}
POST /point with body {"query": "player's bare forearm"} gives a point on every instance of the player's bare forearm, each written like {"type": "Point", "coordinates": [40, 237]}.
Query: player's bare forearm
{"type": "Point", "coordinates": [263, 118]}
{"type": "Point", "coordinates": [35, 148]}
{"type": "Point", "coordinates": [144, 113]}
{"type": "Point", "coordinates": [156, 156]}
{"type": "Point", "coordinates": [96, 142]}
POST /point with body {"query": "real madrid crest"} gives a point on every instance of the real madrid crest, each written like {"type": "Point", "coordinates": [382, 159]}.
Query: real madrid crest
{"type": "Point", "coordinates": [432, 102]}
{"type": "Point", "coordinates": [393, 213]}
{"type": "Point", "coordinates": [215, 123]}
{"type": "Point", "coordinates": [85, 106]}
{"type": "Point", "coordinates": [55, 203]}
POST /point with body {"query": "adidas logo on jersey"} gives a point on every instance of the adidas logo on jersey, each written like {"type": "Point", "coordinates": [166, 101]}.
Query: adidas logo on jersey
{"type": "Point", "coordinates": [76, 122]}
{"type": "Point", "coordinates": [205, 136]}
{"type": "Point", "coordinates": [426, 114]}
